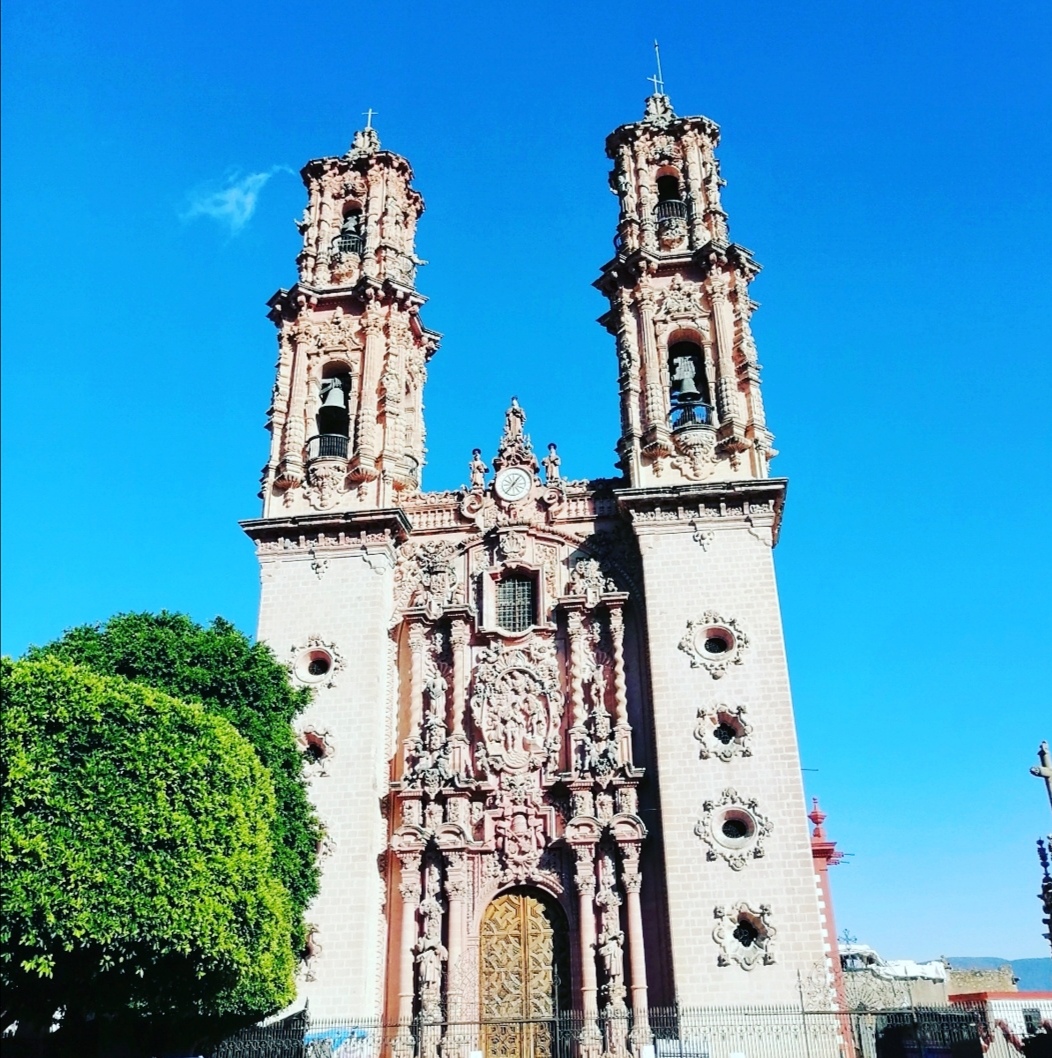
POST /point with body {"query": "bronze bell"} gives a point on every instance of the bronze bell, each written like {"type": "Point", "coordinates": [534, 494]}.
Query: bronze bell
{"type": "Point", "coordinates": [684, 376]}
{"type": "Point", "coordinates": [332, 393]}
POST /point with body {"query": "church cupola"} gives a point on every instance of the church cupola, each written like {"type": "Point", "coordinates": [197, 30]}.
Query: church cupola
{"type": "Point", "coordinates": [691, 408]}
{"type": "Point", "coordinates": [347, 415]}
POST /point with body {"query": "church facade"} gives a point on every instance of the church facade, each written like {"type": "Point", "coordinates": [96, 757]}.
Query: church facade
{"type": "Point", "coordinates": [551, 741]}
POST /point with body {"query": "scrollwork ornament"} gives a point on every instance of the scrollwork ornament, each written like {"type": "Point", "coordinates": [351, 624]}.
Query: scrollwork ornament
{"type": "Point", "coordinates": [733, 829]}
{"type": "Point", "coordinates": [713, 642]}
{"type": "Point", "coordinates": [722, 731]}
{"type": "Point", "coordinates": [744, 935]}
{"type": "Point", "coordinates": [326, 483]}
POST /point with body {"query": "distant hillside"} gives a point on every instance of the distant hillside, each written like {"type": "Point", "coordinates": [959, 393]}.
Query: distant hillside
{"type": "Point", "coordinates": [1035, 975]}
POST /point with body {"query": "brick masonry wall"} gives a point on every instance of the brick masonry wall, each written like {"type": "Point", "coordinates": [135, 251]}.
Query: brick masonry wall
{"type": "Point", "coordinates": [348, 605]}
{"type": "Point", "coordinates": [732, 574]}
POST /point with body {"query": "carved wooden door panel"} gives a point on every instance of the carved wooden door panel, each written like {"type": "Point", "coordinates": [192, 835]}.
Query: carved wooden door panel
{"type": "Point", "coordinates": [524, 946]}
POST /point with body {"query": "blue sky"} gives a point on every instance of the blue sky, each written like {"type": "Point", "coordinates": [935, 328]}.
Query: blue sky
{"type": "Point", "coordinates": [888, 164]}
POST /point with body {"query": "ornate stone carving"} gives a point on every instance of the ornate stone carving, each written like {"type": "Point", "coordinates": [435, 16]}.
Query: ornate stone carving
{"type": "Point", "coordinates": [722, 731]}
{"type": "Point", "coordinates": [316, 661]}
{"type": "Point", "coordinates": [520, 840]}
{"type": "Point", "coordinates": [701, 536]}
{"type": "Point", "coordinates": [697, 456]}
{"type": "Point", "coordinates": [597, 751]}
{"type": "Point", "coordinates": [684, 299]}
{"type": "Point", "coordinates": [517, 705]}
{"type": "Point", "coordinates": [429, 952]}
{"type": "Point", "coordinates": [713, 642]}
{"type": "Point", "coordinates": [512, 545]}
{"type": "Point", "coordinates": [428, 757]}
{"type": "Point", "coordinates": [588, 579]}
{"type": "Point", "coordinates": [733, 829]}
{"type": "Point", "coordinates": [326, 483]}
{"type": "Point", "coordinates": [744, 935]}
{"type": "Point", "coordinates": [426, 575]}
{"type": "Point", "coordinates": [316, 748]}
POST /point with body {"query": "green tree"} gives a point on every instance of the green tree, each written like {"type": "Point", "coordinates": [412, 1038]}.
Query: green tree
{"type": "Point", "coordinates": [138, 862]}
{"type": "Point", "coordinates": [220, 668]}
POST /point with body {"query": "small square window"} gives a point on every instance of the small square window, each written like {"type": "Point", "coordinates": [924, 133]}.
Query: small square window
{"type": "Point", "coordinates": [515, 603]}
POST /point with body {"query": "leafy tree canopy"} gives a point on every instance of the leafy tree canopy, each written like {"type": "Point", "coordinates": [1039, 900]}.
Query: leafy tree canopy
{"type": "Point", "coordinates": [136, 842]}
{"type": "Point", "coordinates": [220, 668]}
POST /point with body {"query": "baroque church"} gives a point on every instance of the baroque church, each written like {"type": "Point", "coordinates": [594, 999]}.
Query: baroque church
{"type": "Point", "coordinates": [551, 740]}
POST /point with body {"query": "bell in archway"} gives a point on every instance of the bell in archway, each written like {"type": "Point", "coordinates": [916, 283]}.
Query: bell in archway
{"type": "Point", "coordinates": [332, 393]}
{"type": "Point", "coordinates": [684, 379]}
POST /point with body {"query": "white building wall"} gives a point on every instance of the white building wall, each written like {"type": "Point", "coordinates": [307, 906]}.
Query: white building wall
{"type": "Point", "coordinates": [728, 568]}
{"type": "Point", "coordinates": [343, 600]}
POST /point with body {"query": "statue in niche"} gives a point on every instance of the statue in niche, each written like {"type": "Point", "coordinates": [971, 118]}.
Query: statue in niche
{"type": "Point", "coordinates": [430, 955]}
{"type": "Point", "coordinates": [611, 948]}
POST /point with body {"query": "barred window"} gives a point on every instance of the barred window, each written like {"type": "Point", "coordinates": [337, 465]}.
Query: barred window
{"type": "Point", "coordinates": [515, 603]}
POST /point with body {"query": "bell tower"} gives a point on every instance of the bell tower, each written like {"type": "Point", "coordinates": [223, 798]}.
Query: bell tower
{"type": "Point", "coordinates": [347, 412]}
{"type": "Point", "coordinates": [691, 408]}
{"type": "Point", "coordinates": [743, 912]}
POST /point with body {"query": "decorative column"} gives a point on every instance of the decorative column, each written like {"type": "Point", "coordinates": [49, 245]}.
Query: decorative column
{"type": "Point", "coordinates": [653, 404]}
{"type": "Point", "coordinates": [460, 640]}
{"type": "Point", "coordinates": [456, 1041]}
{"type": "Point", "coordinates": [577, 732]}
{"type": "Point", "coordinates": [417, 646]}
{"type": "Point", "coordinates": [591, 1043]}
{"type": "Point", "coordinates": [637, 963]}
{"type": "Point", "coordinates": [372, 364]}
{"type": "Point", "coordinates": [726, 385]}
{"type": "Point", "coordinates": [611, 949]}
{"type": "Point", "coordinates": [699, 234]}
{"type": "Point", "coordinates": [622, 729]}
{"type": "Point", "coordinates": [409, 888]}
{"type": "Point", "coordinates": [628, 357]}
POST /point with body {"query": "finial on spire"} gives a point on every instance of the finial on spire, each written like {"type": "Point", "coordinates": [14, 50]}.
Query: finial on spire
{"type": "Point", "coordinates": [365, 141]}
{"type": "Point", "coordinates": [658, 105]}
{"type": "Point", "coordinates": [658, 80]}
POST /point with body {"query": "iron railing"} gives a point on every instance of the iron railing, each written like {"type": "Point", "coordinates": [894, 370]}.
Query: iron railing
{"type": "Point", "coordinates": [670, 209]}
{"type": "Point", "coordinates": [690, 414]}
{"type": "Point", "coordinates": [327, 446]}
{"type": "Point", "coordinates": [348, 242]}
{"type": "Point", "coordinates": [673, 1032]}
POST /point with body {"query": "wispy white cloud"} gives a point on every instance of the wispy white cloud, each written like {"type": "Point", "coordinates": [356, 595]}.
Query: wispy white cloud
{"type": "Point", "coordinates": [232, 202]}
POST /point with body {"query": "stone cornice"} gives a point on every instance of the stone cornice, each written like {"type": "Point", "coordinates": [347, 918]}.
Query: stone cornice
{"type": "Point", "coordinates": [333, 530]}
{"type": "Point", "coordinates": [673, 126]}
{"type": "Point", "coordinates": [757, 504]}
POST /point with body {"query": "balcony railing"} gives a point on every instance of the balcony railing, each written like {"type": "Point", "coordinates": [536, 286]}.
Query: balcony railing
{"type": "Point", "coordinates": [690, 414]}
{"type": "Point", "coordinates": [347, 242]}
{"type": "Point", "coordinates": [671, 209]}
{"type": "Point", "coordinates": [327, 446]}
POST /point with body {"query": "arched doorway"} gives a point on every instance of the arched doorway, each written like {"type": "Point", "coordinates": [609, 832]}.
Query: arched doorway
{"type": "Point", "coordinates": [524, 962]}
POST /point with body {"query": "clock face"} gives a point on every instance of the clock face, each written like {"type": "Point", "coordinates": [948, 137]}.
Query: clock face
{"type": "Point", "coordinates": [513, 483]}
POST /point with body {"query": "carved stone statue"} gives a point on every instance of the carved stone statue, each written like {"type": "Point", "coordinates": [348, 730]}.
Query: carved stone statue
{"type": "Point", "coordinates": [514, 420]}
{"type": "Point", "coordinates": [478, 470]}
{"type": "Point", "coordinates": [551, 463]}
{"type": "Point", "coordinates": [611, 949]}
